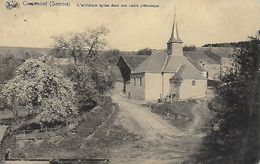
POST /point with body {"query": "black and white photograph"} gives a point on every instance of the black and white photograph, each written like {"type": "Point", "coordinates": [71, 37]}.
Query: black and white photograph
{"type": "Point", "coordinates": [130, 82]}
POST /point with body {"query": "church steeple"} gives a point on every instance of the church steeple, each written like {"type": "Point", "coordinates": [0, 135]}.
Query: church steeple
{"type": "Point", "coordinates": [174, 45]}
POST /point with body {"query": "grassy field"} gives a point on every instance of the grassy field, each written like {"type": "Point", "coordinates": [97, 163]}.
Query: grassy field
{"type": "Point", "coordinates": [93, 137]}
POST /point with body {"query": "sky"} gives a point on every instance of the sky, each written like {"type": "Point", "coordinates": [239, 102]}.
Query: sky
{"type": "Point", "coordinates": [199, 22]}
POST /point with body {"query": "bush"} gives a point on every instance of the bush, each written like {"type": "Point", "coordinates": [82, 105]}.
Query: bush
{"type": "Point", "coordinates": [145, 51]}
{"type": "Point", "coordinates": [189, 48]}
{"type": "Point", "coordinates": [90, 121]}
{"type": "Point", "coordinates": [178, 113]}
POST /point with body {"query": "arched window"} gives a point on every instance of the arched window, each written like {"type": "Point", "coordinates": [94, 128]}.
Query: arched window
{"type": "Point", "coordinates": [193, 83]}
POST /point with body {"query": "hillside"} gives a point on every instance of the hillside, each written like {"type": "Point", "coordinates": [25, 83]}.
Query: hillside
{"type": "Point", "coordinates": [23, 52]}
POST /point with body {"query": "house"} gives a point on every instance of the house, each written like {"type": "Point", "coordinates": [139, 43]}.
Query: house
{"type": "Point", "coordinates": [127, 64]}
{"type": "Point", "coordinates": [167, 74]}
{"type": "Point", "coordinates": [209, 67]}
{"type": "Point", "coordinates": [224, 56]}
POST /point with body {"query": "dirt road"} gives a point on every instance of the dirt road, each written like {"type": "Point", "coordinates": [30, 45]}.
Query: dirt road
{"type": "Point", "coordinates": [200, 115]}
{"type": "Point", "coordinates": [160, 142]}
{"type": "Point", "coordinates": [140, 120]}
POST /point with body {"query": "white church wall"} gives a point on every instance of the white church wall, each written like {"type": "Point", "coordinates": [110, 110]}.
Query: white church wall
{"type": "Point", "coordinates": [166, 84]}
{"type": "Point", "coordinates": [189, 91]}
{"type": "Point", "coordinates": [153, 86]}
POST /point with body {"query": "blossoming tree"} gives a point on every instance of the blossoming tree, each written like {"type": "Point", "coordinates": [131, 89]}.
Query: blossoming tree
{"type": "Point", "coordinates": [40, 85]}
{"type": "Point", "coordinates": [89, 70]}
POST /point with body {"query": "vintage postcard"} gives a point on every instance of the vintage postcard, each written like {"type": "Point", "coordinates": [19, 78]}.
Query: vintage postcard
{"type": "Point", "coordinates": [129, 81]}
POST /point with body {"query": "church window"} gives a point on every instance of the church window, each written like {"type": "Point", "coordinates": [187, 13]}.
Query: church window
{"type": "Point", "coordinates": [141, 81]}
{"type": "Point", "coordinates": [134, 82]}
{"type": "Point", "coordinates": [193, 83]}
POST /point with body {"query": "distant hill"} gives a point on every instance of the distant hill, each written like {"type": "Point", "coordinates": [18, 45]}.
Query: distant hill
{"type": "Point", "coordinates": [231, 44]}
{"type": "Point", "coordinates": [23, 52]}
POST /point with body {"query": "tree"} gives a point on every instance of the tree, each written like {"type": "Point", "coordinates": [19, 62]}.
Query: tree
{"type": "Point", "coordinates": [189, 48]}
{"type": "Point", "coordinates": [8, 64]}
{"type": "Point", "coordinates": [145, 51]}
{"type": "Point", "coordinates": [235, 88]}
{"type": "Point", "coordinates": [41, 86]}
{"type": "Point", "coordinates": [236, 125]}
{"type": "Point", "coordinates": [90, 71]}
{"type": "Point", "coordinates": [112, 56]}
{"type": "Point", "coordinates": [90, 82]}
{"type": "Point", "coordinates": [81, 46]}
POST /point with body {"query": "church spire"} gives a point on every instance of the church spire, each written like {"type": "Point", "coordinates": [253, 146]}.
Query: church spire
{"type": "Point", "coordinates": [175, 33]}
{"type": "Point", "coordinates": [174, 45]}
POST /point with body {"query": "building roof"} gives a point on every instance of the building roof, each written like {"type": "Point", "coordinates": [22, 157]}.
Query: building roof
{"type": "Point", "coordinates": [160, 62]}
{"type": "Point", "coordinates": [225, 52]}
{"type": "Point", "coordinates": [154, 63]}
{"type": "Point", "coordinates": [196, 65]}
{"type": "Point", "coordinates": [133, 61]}
{"type": "Point", "coordinates": [199, 57]}
{"type": "Point", "coordinates": [178, 74]}
{"type": "Point", "coordinates": [187, 72]}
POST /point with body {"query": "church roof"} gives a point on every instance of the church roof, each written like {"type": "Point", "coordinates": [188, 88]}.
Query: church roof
{"type": "Point", "coordinates": [178, 74]}
{"type": "Point", "coordinates": [153, 64]}
{"type": "Point", "coordinates": [160, 62]}
{"type": "Point", "coordinates": [191, 73]}
{"type": "Point", "coordinates": [187, 72]}
{"type": "Point", "coordinates": [199, 67]}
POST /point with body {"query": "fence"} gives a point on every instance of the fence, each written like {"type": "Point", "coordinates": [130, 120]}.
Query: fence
{"type": "Point", "coordinates": [57, 161]}
{"type": "Point", "coordinates": [35, 134]}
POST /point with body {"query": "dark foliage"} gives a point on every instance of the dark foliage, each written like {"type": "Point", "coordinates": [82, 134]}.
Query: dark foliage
{"type": "Point", "coordinates": [189, 48]}
{"type": "Point", "coordinates": [8, 65]}
{"type": "Point", "coordinates": [234, 137]}
{"type": "Point", "coordinates": [232, 44]}
{"type": "Point", "coordinates": [236, 87]}
{"type": "Point", "coordinates": [112, 56]}
{"type": "Point", "coordinates": [145, 51]}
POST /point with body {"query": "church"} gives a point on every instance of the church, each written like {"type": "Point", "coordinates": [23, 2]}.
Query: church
{"type": "Point", "coordinates": [167, 74]}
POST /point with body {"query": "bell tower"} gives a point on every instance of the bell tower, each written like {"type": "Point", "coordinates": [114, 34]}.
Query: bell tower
{"type": "Point", "coordinates": [174, 45]}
